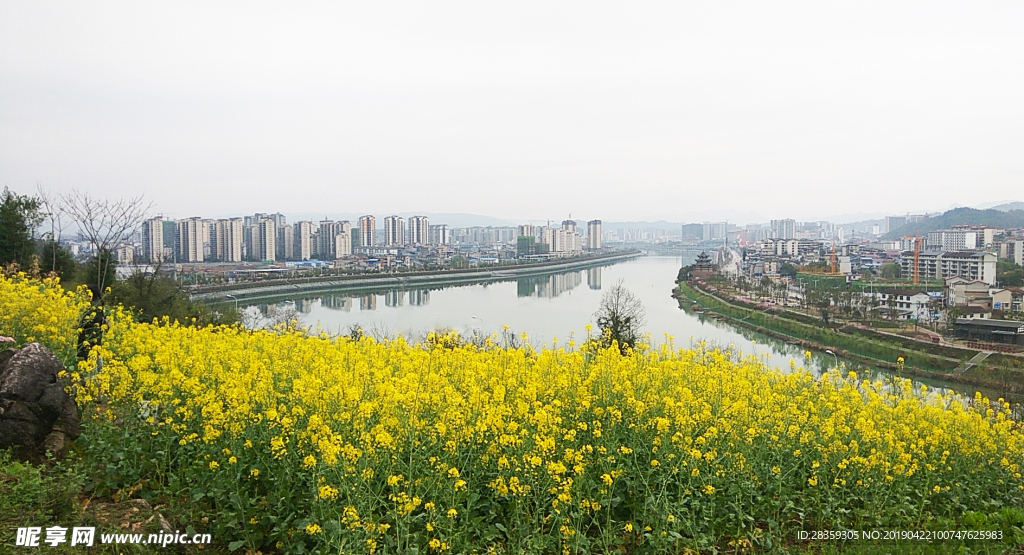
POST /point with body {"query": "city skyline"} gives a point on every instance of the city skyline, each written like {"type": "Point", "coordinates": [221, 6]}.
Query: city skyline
{"type": "Point", "coordinates": [660, 112]}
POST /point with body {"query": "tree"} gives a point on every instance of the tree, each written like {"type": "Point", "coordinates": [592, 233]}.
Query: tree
{"type": "Point", "coordinates": [151, 294]}
{"type": "Point", "coordinates": [100, 269]}
{"type": "Point", "coordinates": [787, 269]}
{"type": "Point", "coordinates": [951, 314]}
{"type": "Point", "coordinates": [19, 217]}
{"type": "Point", "coordinates": [105, 224]}
{"type": "Point", "coordinates": [1009, 274]}
{"type": "Point", "coordinates": [57, 258]}
{"type": "Point", "coordinates": [890, 270]}
{"type": "Point", "coordinates": [620, 317]}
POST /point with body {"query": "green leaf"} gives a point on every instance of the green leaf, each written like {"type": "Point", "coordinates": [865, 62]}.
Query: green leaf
{"type": "Point", "coordinates": [233, 546]}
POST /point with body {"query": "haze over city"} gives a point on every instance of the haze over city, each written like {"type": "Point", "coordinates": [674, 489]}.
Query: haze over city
{"type": "Point", "coordinates": [682, 112]}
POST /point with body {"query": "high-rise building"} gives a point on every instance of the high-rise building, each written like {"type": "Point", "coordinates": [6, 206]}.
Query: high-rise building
{"type": "Point", "coordinates": [594, 236]}
{"type": "Point", "coordinates": [345, 227]}
{"type": "Point", "coordinates": [784, 229]}
{"type": "Point", "coordinates": [367, 230]}
{"type": "Point", "coordinates": [1012, 250]}
{"type": "Point", "coordinates": [190, 240]}
{"type": "Point", "coordinates": [440, 235]}
{"type": "Point", "coordinates": [285, 242]}
{"type": "Point", "coordinates": [303, 236]}
{"type": "Point", "coordinates": [153, 240]}
{"type": "Point", "coordinates": [325, 239]}
{"type": "Point", "coordinates": [265, 241]}
{"type": "Point", "coordinates": [893, 222]}
{"type": "Point", "coordinates": [394, 231]}
{"type": "Point", "coordinates": [419, 230]}
{"type": "Point", "coordinates": [343, 244]}
{"type": "Point", "coordinates": [227, 240]}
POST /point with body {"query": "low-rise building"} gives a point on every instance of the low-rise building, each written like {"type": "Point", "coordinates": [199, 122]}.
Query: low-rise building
{"type": "Point", "coordinates": [972, 265]}
{"type": "Point", "coordinates": [1005, 332]}
{"type": "Point", "coordinates": [908, 304]}
{"type": "Point", "coordinates": [966, 292]}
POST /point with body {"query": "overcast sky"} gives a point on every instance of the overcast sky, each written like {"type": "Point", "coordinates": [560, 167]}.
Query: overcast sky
{"type": "Point", "coordinates": [683, 111]}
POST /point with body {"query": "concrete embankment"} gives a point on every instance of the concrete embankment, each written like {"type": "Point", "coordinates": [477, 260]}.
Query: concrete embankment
{"type": "Point", "coordinates": [377, 282]}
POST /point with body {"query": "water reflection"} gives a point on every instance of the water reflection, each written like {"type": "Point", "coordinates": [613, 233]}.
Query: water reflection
{"type": "Point", "coordinates": [335, 302]}
{"type": "Point", "coordinates": [419, 297]}
{"type": "Point", "coordinates": [545, 307]}
{"type": "Point", "coordinates": [395, 297]}
{"type": "Point", "coordinates": [368, 302]}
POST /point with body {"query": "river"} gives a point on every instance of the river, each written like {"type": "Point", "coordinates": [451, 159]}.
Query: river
{"type": "Point", "coordinates": [549, 309]}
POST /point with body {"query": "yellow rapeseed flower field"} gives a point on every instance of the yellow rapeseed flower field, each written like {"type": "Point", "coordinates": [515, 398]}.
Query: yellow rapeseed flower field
{"type": "Point", "coordinates": [297, 441]}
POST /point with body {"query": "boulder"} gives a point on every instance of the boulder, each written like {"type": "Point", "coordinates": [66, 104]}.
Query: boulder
{"type": "Point", "coordinates": [36, 413]}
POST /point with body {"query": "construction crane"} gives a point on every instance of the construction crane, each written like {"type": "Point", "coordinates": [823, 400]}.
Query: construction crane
{"type": "Point", "coordinates": [833, 257]}
{"type": "Point", "coordinates": [917, 256]}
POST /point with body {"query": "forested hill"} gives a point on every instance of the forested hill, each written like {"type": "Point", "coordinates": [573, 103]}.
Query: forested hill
{"type": "Point", "coordinates": [990, 217]}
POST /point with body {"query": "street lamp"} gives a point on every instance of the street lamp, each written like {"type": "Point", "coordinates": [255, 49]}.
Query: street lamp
{"type": "Point", "coordinates": [236, 301]}
{"type": "Point", "coordinates": [829, 351]}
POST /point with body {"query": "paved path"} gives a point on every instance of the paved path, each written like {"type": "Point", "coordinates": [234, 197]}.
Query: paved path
{"type": "Point", "coordinates": [973, 362]}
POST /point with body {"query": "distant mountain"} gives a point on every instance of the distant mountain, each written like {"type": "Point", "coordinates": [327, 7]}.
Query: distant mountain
{"type": "Point", "coordinates": [660, 224]}
{"type": "Point", "coordinates": [1009, 206]}
{"type": "Point", "coordinates": [990, 217]}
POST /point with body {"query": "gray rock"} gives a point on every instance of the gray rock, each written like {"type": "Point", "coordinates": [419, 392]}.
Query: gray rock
{"type": "Point", "coordinates": [36, 414]}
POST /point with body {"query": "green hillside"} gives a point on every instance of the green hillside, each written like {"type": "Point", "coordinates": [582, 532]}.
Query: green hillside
{"type": "Point", "coordinates": [990, 217]}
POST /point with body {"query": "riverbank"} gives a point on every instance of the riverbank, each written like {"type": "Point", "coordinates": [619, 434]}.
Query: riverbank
{"type": "Point", "coordinates": [409, 280]}
{"type": "Point", "coordinates": [1003, 374]}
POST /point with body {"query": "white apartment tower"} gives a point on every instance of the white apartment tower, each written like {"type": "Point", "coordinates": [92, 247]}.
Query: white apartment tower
{"type": "Point", "coordinates": [419, 230]}
{"type": "Point", "coordinates": [367, 228]}
{"type": "Point", "coordinates": [781, 229]}
{"type": "Point", "coordinates": [303, 236]}
{"type": "Point", "coordinates": [440, 235]}
{"type": "Point", "coordinates": [153, 240]}
{"type": "Point", "coordinates": [594, 235]}
{"type": "Point", "coordinates": [394, 231]}
{"type": "Point", "coordinates": [227, 240]}
{"type": "Point", "coordinates": [190, 240]}
{"type": "Point", "coordinates": [343, 243]}
{"type": "Point", "coordinates": [325, 239]}
{"type": "Point", "coordinates": [265, 241]}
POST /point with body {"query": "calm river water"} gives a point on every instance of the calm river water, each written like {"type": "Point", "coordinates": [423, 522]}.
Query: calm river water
{"type": "Point", "coordinates": [547, 308]}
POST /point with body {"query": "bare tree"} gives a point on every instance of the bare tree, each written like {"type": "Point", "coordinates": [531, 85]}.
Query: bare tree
{"type": "Point", "coordinates": [620, 317]}
{"type": "Point", "coordinates": [105, 224]}
{"type": "Point", "coordinates": [53, 210]}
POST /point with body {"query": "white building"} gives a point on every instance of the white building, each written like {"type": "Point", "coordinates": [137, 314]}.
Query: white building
{"type": "Point", "coordinates": [367, 231]}
{"type": "Point", "coordinates": [907, 305]}
{"type": "Point", "coordinates": [1012, 250]}
{"type": "Point", "coordinates": [153, 240]}
{"type": "Point", "coordinates": [783, 229]}
{"type": "Point", "coordinates": [942, 265]}
{"type": "Point", "coordinates": [952, 239]}
{"type": "Point", "coordinates": [419, 230]}
{"type": "Point", "coordinates": [343, 244]}
{"type": "Point", "coordinates": [302, 234]}
{"type": "Point", "coordinates": [191, 232]}
{"type": "Point", "coordinates": [440, 235]}
{"type": "Point", "coordinates": [394, 231]}
{"type": "Point", "coordinates": [594, 235]}
{"type": "Point", "coordinates": [265, 241]}
{"type": "Point", "coordinates": [226, 240]}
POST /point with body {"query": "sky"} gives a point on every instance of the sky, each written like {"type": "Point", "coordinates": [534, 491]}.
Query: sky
{"type": "Point", "coordinates": [682, 111]}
